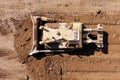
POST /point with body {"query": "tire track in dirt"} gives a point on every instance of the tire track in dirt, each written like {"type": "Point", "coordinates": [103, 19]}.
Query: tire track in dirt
{"type": "Point", "coordinates": [91, 75]}
{"type": "Point", "coordinates": [10, 68]}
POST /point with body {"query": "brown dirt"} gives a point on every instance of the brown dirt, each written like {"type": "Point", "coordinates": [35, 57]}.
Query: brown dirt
{"type": "Point", "coordinates": [80, 65]}
{"type": "Point", "coordinates": [24, 32]}
{"type": "Point", "coordinates": [10, 68]}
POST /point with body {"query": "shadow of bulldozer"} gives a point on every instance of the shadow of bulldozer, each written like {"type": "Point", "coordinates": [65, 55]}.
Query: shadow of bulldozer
{"type": "Point", "coordinates": [87, 50]}
{"type": "Point", "coordinates": [105, 42]}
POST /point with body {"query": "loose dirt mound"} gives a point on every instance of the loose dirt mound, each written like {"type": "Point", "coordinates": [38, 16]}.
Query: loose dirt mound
{"type": "Point", "coordinates": [23, 37]}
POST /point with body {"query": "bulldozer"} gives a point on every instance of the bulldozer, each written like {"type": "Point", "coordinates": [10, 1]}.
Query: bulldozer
{"type": "Point", "coordinates": [52, 35]}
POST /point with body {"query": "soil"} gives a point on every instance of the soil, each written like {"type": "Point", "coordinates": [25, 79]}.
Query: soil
{"type": "Point", "coordinates": [88, 64]}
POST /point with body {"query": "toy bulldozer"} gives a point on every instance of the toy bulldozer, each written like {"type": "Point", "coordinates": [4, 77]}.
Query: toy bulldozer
{"type": "Point", "coordinates": [49, 35]}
